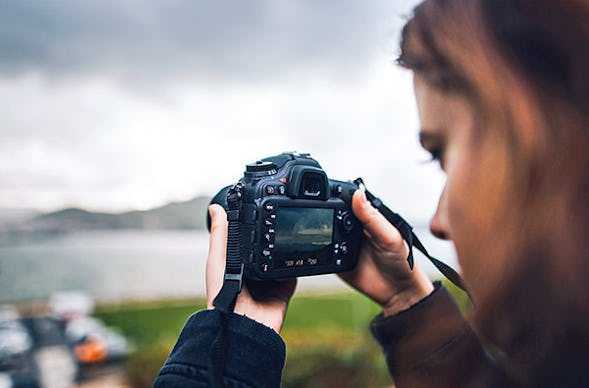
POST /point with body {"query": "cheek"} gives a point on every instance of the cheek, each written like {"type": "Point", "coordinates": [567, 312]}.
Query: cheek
{"type": "Point", "coordinates": [475, 189]}
{"type": "Point", "coordinates": [462, 209]}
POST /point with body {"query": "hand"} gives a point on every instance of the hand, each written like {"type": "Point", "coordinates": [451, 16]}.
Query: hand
{"type": "Point", "coordinates": [262, 301]}
{"type": "Point", "coordinates": [383, 273]}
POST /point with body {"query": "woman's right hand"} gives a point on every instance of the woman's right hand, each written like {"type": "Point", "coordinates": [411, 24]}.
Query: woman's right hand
{"type": "Point", "coordinates": [264, 302]}
{"type": "Point", "coordinates": [383, 273]}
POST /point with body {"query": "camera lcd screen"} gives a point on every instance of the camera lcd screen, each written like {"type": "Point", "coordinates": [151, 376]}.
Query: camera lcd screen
{"type": "Point", "coordinates": [302, 231]}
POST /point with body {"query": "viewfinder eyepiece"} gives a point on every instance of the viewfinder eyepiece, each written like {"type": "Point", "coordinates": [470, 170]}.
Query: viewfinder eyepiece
{"type": "Point", "coordinates": [309, 182]}
{"type": "Point", "coordinates": [312, 185]}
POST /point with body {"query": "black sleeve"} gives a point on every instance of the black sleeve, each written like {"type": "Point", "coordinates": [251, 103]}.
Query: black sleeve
{"type": "Point", "coordinates": [255, 354]}
{"type": "Point", "coordinates": [432, 345]}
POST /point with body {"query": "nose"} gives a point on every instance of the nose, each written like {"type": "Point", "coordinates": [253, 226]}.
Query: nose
{"type": "Point", "coordinates": [439, 224]}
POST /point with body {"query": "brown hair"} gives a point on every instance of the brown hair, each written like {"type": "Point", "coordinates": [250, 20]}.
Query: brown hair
{"type": "Point", "coordinates": [524, 65]}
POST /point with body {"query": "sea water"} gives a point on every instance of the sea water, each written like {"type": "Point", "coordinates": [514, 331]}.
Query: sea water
{"type": "Point", "coordinates": [123, 265]}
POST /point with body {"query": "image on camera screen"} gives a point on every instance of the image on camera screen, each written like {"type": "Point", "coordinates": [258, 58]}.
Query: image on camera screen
{"type": "Point", "coordinates": [303, 229]}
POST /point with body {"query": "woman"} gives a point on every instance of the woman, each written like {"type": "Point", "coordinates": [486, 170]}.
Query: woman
{"type": "Point", "coordinates": [502, 90]}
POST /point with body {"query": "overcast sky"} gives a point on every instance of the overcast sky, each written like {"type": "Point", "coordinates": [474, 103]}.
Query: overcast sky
{"type": "Point", "coordinates": [117, 105]}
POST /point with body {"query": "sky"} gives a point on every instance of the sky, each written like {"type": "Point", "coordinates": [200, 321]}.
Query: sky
{"type": "Point", "coordinates": [118, 105]}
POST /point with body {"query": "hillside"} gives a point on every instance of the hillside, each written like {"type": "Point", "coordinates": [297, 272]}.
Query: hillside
{"type": "Point", "coordinates": [176, 215]}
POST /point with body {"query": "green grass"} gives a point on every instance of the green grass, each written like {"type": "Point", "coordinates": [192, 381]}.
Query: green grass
{"type": "Point", "coordinates": [341, 312]}
{"type": "Point", "coordinates": [146, 322]}
{"type": "Point", "coordinates": [149, 322]}
{"type": "Point", "coordinates": [327, 337]}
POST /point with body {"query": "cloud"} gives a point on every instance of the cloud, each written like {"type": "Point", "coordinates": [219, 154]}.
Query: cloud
{"type": "Point", "coordinates": [212, 41]}
{"type": "Point", "coordinates": [94, 144]}
{"type": "Point", "coordinates": [117, 105]}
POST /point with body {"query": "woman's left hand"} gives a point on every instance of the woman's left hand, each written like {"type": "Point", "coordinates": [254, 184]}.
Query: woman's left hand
{"type": "Point", "coordinates": [263, 301]}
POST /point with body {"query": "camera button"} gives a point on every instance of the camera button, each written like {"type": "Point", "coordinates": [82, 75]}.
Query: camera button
{"type": "Point", "coordinates": [266, 252]}
{"type": "Point", "coordinates": [338, 262]}
{"type": "Point", "coordinates": [269, 206]}
{"type": "Point", "coordinates": [269, 237]}
{"type": "Point", "coordinates": [269, 222]}
{"type": "Point", "coordinates": [270, 190]}
{"type": "Point", "coordinates": [344, 248]}
{"type": "Point", "coordinates": [281, 190]}
{"type": "Point", "coordinates": [347, 221]}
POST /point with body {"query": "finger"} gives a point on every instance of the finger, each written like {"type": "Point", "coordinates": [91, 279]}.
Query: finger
{"type": "Point", "coordinates": [381, 232]}
{"type": "Point", "coordinates": [215, 267]}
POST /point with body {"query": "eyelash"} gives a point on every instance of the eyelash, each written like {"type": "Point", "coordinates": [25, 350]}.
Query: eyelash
{"type": "Point", "coordinates": [436, 154]}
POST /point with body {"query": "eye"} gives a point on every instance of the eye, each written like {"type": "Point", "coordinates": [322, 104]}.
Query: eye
{"type": "Point", "coordinates": [436, 154]}
{"type": "Point", "coordinates": [434, 143]}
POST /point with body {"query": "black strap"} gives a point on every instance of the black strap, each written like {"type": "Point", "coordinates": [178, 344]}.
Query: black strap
{"type": "Point", "coordinates": [217, 356]}
{"type": "Point", "coordinates": [225, 301]}
{"type": "Point", "coordinates": [411, 238]}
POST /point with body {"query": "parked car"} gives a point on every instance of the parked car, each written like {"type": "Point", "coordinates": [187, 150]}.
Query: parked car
{"type": "Point", "coordinates": [93, 342]}
{"type": "Point", "coordinates": [17, 366]}
{"type": "Point", "coordinates": [15, 341]}
{"type": "Point", "coordinates": [67, 305]}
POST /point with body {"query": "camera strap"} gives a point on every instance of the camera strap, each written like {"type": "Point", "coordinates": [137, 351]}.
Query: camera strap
{"type": "Point", "coordinates": [411, 238]}
{"type": "Point", "coordinates": [225, 301]}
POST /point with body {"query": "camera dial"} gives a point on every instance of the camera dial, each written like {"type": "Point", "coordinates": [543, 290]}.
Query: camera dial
{"type": "Point", "coordinates": [346, 221]}
{"type": "Point", "coordinates": [261, 168]}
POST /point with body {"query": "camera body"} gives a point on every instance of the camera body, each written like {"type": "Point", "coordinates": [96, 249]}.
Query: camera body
{"type": "Point", "coordinates": [294, 220]}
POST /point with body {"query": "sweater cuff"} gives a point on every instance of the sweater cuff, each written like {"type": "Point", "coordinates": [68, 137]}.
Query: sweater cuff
{"type": "Point", "coordinates": [255, 354]}
{"type": "Point", "coordinates": [421, 331]}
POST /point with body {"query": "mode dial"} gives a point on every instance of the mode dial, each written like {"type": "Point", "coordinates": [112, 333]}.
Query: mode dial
{"type": "Point", "coordinates": [268, 168]}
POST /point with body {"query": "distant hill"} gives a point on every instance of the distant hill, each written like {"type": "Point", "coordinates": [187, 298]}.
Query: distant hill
{"type": "Point", "coordinates": [176, 215]}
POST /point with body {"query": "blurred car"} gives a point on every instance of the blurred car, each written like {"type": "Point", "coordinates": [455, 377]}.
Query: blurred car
{"type": "Point", "coordinates": [67, 305]}
{"type": "Point", "coordinates": [93, 342]}
{"type": "Point", "coordinates": [15, 341]}
{"type": "Point", "coordinates": [17, 367]}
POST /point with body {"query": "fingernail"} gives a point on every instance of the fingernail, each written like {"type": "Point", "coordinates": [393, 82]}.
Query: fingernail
{"type": "Point", "coordinates": [363, 195]}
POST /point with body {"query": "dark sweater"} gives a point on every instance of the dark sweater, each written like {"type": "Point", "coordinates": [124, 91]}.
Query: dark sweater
{"type": "Point", "coordinates": [257, 353]}
{"type": "Point", "coordinates": [428, 345]}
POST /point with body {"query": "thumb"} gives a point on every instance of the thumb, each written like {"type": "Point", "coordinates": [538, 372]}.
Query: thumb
{"type": "Point", "coordinates": [215, 267]}
{"type": "Point", "coordinates": [381, 231]}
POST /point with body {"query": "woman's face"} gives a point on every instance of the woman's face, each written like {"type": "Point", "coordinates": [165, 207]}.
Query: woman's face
{"type": "Point", "coordinates": [475, 168]}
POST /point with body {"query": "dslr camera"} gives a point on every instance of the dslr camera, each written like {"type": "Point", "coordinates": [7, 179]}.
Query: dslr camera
{"type": "Point", "coordinates": [294, 220]}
